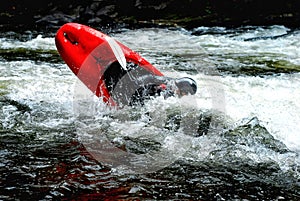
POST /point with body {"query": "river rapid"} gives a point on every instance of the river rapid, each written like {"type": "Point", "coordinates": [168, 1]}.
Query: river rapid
{"type": "Point", "coordinates": [237, 138]}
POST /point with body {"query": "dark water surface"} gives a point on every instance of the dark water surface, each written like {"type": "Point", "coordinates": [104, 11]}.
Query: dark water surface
{"type": "Point", "coordinates": [238, 137]}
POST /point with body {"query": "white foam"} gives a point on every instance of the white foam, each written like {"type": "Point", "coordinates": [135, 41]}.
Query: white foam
{"type": "Point", "coordinates": [39, 42]}
{"type": "Point", "coordinates": [274, 100]}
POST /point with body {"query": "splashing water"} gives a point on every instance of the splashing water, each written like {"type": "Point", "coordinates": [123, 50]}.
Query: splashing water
{"type": "Point", "coordinates": [237, 138]}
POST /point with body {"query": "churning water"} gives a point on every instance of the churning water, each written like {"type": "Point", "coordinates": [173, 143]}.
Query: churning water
{"type": "Point", "coordinates": [237, 138]}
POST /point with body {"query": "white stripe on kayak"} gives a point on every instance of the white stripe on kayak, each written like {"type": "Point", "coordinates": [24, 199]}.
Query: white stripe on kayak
{"type": "Point", "coordinates": [117, 50]}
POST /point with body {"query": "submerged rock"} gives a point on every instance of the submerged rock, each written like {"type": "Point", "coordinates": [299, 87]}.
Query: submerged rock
{"type": "Point", "coordinates": [257, 66]}
{"type": "Point", "coordinates": [252, 134]}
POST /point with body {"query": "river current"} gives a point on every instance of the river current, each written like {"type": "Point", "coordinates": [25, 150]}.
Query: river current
{"type": "Point", "coordinates": [237, 138]}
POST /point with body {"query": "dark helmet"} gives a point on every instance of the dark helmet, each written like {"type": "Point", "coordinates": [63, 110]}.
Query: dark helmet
{"type": "Point", "coordinates": [186, 86]}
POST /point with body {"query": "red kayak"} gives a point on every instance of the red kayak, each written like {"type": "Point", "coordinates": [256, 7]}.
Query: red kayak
{"type": "Point", "coordinates": [111, 70]}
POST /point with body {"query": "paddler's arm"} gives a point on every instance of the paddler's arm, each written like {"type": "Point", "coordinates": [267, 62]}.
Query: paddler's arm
{"type": "Point", "coordinates": [181, 86]}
